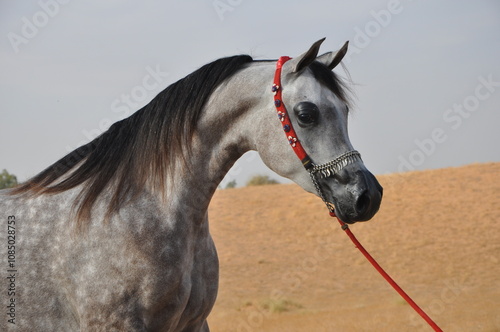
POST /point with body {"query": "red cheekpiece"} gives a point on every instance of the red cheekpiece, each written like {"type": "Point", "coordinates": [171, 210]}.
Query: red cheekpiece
{"type": "Point", "coordinates": [285, 118]}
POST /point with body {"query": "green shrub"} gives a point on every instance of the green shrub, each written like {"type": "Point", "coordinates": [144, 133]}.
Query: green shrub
{"type": "Point", "coordinates": [260, 180]}
{"type": "Point", "coordinates": [7, 180]}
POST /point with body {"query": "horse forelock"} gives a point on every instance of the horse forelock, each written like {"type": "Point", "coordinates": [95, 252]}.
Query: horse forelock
{"type": "Point", "coordinates": [331, 81]}
{"type": "Point", "coordinates": [138, 151]}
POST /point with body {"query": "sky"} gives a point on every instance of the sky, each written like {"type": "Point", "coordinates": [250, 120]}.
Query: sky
{"type": "Point", "coordinates": [426, 74]}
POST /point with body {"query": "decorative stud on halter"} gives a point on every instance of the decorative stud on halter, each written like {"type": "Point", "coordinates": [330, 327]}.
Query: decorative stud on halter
{"type": "Point", "coordinates": [281, 116]}
{"type": "Point", "coordinates": [275, 88]}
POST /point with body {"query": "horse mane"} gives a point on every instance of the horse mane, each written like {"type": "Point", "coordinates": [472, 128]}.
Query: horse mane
{"type": "Point", "coordinates": [138, 150]}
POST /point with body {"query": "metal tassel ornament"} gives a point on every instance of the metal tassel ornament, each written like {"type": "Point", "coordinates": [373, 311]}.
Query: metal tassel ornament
{"type": "Point", "coordinates": [333, 167]}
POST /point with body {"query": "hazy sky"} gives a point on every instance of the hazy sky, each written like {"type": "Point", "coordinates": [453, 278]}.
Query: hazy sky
{"type": "Point", "coordinates": [426, 73]}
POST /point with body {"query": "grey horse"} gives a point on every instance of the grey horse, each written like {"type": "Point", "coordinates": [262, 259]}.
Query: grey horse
{"type": "Point", "coordinates": [115, 235]}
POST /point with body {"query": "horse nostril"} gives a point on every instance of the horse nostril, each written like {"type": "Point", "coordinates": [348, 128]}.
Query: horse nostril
{"type": "Point", "coordinates": [363, 203]}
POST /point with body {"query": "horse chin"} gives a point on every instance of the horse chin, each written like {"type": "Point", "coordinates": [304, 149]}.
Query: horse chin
{"type": "Point", "coordinates": [346, 211]}
{"type": "Point", "coordinates": [348, 216]}
{"type": "Point", "coordinates": [342, 216]}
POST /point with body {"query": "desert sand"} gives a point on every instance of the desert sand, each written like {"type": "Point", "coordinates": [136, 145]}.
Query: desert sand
{"type": "Point", "coordinates": [285, 264]}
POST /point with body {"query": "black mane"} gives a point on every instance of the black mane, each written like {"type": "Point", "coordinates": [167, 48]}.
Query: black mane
{"type": "Point", "coordinates": [139, 148]}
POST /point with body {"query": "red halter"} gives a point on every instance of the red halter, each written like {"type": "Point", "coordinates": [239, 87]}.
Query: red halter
{"type": "Point", "coordinates": [322, 170]}
{"type": "Point", "coordinates": [330, 168]}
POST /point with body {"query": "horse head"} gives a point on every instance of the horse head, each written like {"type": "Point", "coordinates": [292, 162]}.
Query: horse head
{"type": "Point", "coordinates": [318, 107]}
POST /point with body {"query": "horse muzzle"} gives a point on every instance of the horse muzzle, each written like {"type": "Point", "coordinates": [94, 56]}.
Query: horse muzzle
{"type": "Point", "coordinates": [354, 191]}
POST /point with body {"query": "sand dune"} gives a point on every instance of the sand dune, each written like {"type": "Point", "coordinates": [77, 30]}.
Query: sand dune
{"type": "Point", "coordinates": [287, 266]}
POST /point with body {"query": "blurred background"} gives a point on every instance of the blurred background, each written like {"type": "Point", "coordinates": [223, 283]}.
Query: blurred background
{"type": "Point", "coordinates": [426, 74]}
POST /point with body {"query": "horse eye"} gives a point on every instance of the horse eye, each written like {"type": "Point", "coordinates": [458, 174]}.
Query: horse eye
{"type": "Point", "coordinates": [306, 112]}
{"type": "Point", "coordinates": [306, 118]}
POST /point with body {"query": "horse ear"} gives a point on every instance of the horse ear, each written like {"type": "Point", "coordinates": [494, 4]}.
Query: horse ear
{"type": "Point", "coordinates": [332, 59]}
{"type": "Point", "coordinates": [305, 59]}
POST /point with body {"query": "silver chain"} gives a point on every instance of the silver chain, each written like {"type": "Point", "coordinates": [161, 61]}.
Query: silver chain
{"type": "Point", "coordinates": [320, 192]}
{"type": "Point", "coordinates": [332, 167]}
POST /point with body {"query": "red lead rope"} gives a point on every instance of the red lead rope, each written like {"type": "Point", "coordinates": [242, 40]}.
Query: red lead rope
{"type": "Point", "coordinates": [386, 276]}
{"type": "Point", "coordinates": [308, 164]}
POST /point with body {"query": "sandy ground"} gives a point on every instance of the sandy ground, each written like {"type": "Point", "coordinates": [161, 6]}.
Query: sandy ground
{"type": "Point", "coordinates": [286, 265]}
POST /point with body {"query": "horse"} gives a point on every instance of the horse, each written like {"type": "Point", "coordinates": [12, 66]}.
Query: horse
{"type": "Point", "coordinates": [114, 236]}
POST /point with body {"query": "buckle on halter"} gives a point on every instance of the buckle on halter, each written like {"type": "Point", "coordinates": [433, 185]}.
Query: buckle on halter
{"type": "Point", "coordinates": [344, 226]}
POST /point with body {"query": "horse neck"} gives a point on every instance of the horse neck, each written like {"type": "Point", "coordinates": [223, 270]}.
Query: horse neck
{"type": "Point", "coordinates": [224, 133]}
